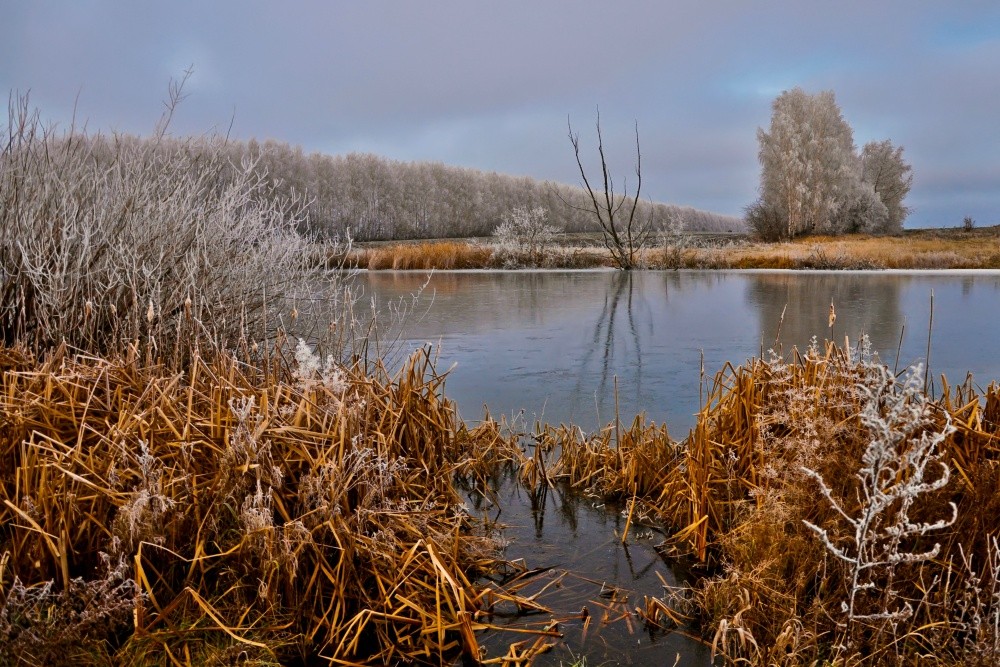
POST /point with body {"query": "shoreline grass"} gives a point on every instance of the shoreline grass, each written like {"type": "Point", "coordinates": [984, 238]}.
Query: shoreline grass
{"type": "Point", "coordinates": [915, 249]}
{"type": "Point", "coordinates": [761, 495]}
{"type": "Point", "coordinates": [219, 511]}
{"type": "Point", "coordinates": [312, 513]}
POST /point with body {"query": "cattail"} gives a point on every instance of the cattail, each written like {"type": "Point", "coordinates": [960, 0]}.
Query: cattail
{"type": "Point", "coordinates": [833, 316]}
{"type": "Point", "coordinates": [150, 313]}
{"type": "Point", "coordinates": [187, 307]}
{"type": "Point", "coordinates": [113, 309]}
{"type": "Point", "coordinates": [294, 314]}
{"type": "Point", "coordinates": [88, 309]}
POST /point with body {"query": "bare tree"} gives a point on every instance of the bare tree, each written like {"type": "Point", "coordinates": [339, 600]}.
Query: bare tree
{"type": "Point", "coordinates": [623, 235]}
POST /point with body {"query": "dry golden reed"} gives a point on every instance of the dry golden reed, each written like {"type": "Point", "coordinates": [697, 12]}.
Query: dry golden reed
{"type": "Point", "coordinates": [923, 249]}
{"type": "Point", "coordinates": [221, 513]}
{"type": "Point", "coordinates": [736, 494]}
{"type": "Point", "coordinates": [442, 255]}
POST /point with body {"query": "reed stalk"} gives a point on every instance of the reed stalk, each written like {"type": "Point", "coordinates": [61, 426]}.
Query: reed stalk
{"type": "Point", "coordinates": [221, 510]}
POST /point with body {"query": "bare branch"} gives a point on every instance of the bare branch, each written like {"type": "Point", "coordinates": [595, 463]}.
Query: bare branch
{"type": "Point", "coordinates": [625, 239]}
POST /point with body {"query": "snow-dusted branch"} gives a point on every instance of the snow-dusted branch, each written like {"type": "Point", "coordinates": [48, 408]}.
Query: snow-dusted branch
{"type": "Point", "coordinates": [900, 464]}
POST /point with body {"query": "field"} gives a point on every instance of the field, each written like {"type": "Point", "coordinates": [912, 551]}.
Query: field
{"type": "Point", "coordinates": [914, 249]}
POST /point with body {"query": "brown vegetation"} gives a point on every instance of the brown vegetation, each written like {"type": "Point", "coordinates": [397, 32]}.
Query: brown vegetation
{"type": "Point", "coordinates": [446, 255]}
{"type": "Point", "coordinates": [921, 249]}
{"type": "Point", "coordinates": [226, 510]}
{"type": "Point", "coordinates": [222, 513]}
{"type": "Point", "coordinates": [740, 492]}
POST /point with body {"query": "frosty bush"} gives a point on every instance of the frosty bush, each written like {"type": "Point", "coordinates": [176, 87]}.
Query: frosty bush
{"type": "Point", "coordinates": [675, 241]}
{"type": "Point", "coordinates": [112, 239]}
{"type": "Point", "coordinates": [48, 625]}
{"type": "Point", "coordinates": [523, 238]}
{"type": "Point", "coordinates": [900, 464]}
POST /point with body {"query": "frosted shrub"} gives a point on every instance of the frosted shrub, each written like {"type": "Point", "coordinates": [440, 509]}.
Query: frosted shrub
{"type": "Point", "coordinates": [51, 625]}
{"type": "Point", "coordinates": [524, 237]}
{"type": "Point", "coordinates": [976, 607]}
{"type": "Point", "coordinates": [246, 450]}
{"type": "Point", "coordinates": [143, 515]}
{"type": "Point", "coordinates": [675, 241]}
{"type": "Point", "coordinates": [108, 240]}
{"type": "Point", "coordinates": [310, 372]}
{"type": "Point", "coordinates": [900, 464]}
{"type": "Point", "coordinates": [365, 474]}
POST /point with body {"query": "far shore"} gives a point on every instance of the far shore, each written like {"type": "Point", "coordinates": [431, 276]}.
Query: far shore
{"type": "Point", "coordinates": [916, 249]}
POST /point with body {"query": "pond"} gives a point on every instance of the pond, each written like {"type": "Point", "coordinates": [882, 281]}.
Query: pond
{"type": "Point", "coordinates": [570, 346]}
{"type": "Point", "coordinates": [555, 343]}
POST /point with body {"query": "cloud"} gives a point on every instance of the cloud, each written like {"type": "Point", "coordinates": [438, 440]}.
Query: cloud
{"type": "Point", "coordinates": [490, 85]}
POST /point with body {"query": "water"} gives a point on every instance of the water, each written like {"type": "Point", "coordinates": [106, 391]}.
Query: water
{"type": "Point", "coordinates": [575, 539]}
{"type": "Point", "coordinates": [557, 344]}
{"type": "Point", "coordinates": [554, 343]}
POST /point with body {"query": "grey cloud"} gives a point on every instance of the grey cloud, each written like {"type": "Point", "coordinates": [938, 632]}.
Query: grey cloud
{"type": "Point", "coordinates": [490, 85]}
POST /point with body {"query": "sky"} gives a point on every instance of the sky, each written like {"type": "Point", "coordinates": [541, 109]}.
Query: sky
{"type": "Point", "coordinates": [491, 85]}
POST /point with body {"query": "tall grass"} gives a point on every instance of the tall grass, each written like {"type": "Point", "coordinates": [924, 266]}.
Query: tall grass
{"type": "Point", "coordinates": [926, 249]}
{"type": "Point", "coordinates": [446, 255]}
{"type": "Point", "coordinates": [432, 255]}
{"type": "Point", "coordinates": [842, 516]}
{"type": "Point", "coordinates": [197, 515]}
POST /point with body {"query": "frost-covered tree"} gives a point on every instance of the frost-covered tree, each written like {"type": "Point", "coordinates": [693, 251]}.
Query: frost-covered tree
{"type": "Point", "coordinates": [883, 168]}
{"type": "Point", "coordinates": [814, 181]}
{"type": "Point", "coordinates": [524, 236]}
{"type": "Point", "coordinates": [863, 212]}
{"type": "Point", "coordinates": [809, 167]}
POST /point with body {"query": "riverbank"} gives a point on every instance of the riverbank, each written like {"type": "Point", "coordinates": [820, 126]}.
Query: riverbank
{"type": "Point", "coordinates": [950, 248]}
{"type": "Point", "coordinates": [831, 513]}
{"type": "Point", "coordinates": [229, 512]}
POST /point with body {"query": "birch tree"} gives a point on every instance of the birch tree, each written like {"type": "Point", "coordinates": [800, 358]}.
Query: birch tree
{"type": "Point", "coordinates": [883, 168]}
{"type": "Point", "coordinates": [814, 181]}
{"type": "Point", "coordinates": [809, 166]}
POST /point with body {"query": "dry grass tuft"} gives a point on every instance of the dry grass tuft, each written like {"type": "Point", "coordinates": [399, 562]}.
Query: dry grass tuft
{"type": "Point", "coordinates": [445, 255]}
{"type": "Point", "coordinates": [923, 249]}
{"type": "Point", "coordinates": [432, 255]}
{"type": "Point", "coordinates": [763, 490]}
{"type": "Point", "coordinates": [222, 511]}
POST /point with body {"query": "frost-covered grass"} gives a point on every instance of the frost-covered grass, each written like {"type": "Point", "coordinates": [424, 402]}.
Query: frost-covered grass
{"type": "Point", "coordinates": [160, 243]}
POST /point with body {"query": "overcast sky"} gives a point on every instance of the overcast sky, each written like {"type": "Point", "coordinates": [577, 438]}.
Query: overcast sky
{"type": "Point", "coordinates": [490, 85]}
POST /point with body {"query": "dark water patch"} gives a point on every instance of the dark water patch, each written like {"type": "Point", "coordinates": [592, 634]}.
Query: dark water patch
{"type": "Point", "coordinates": [589, 581]}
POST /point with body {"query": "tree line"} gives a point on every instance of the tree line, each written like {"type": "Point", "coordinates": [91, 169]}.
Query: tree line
{"type": "Point", "coordinates": [371, 198]}
{"type": "Point", "coordinates": [376, 198]}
